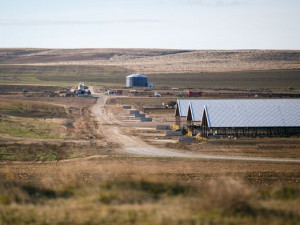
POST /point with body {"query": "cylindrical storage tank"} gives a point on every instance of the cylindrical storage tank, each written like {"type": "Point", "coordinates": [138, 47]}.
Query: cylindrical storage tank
{"type": "Point", "coordinates": [136, 80]}
{"type": "Point", "coordinates": [129, 81]}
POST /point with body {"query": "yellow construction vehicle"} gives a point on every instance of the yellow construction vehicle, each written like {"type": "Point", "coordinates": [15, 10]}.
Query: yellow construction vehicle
{"type": "Point", "coordinates": [199, 138]}
{"type": "Point", "coordinates": [175, 127]}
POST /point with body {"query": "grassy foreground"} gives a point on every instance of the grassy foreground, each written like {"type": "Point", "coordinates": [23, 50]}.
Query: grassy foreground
{"type": "Point", "coordinates": [122, 191]}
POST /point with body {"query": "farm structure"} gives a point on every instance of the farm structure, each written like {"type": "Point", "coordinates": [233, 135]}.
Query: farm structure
{"type": "Point", "coordinates": [136, 80]}
{"type": "Point", "coordinates": [242, 117]}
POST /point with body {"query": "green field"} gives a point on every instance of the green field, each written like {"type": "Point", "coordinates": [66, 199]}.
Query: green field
{"type": "Point", "coordinates": [62, 75]}
{"type": "Point", "coordinates": [279, 79]}
{"type": "Point", "coordinates": [69, 75]}
{"type": "Point", "coordinates": [31, 109]}
{"type": "Point", "coordinates": [28, 119]}
{"type": "Point", "coordinates": [30, 128]}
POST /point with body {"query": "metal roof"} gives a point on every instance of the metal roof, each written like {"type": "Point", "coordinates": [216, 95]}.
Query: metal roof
{"type": "Point", "coordinates": [248, 112]}
{"type": "Point", "coordinates": [183, 106]}
{"type": "Point", "coordinates": [197, 106]}
{"type": "Point", "coordinates": [137, 75]}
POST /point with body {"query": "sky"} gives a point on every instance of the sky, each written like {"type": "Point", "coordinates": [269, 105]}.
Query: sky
{"type": "Point", "coordinates": [173, 24]}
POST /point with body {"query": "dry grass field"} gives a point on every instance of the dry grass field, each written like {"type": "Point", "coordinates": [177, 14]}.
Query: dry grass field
{"type": "Point", "coordinates": [159, 60]}
{"type": "Point", "coordinates": [122, 190]}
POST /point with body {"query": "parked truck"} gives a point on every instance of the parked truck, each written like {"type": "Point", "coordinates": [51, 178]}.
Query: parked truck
{"type": "Point", "coordinates": [194, 93]}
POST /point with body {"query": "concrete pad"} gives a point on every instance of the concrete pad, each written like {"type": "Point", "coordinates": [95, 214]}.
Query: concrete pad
{"type": "Point", "coordinates": [140, 115]}
{"type": "Point", "coordinates": [163, 127]}
{"type": "Point", "coordinates": [146, 119]}
{"type": "Point", "coordinates": [186, 140]}
{"type": "Point", "coordinates": [174, 133]}
{"type": "Point", "coordinates": [134, 111]}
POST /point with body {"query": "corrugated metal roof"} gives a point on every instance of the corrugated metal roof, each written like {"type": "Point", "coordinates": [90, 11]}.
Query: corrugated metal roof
{"type": "Point", "coordinates": [254, 113]}
{"type": "Point", "coordinates": [197, 104]}
{"type": "Point", "coordinates": [247, 112]}
{"type": "Point", "coordinates": [137, 75]}
{"type": "Point", "coordinates": [183, 105]}
{"type": "Point", "coordinates": [244, 112]}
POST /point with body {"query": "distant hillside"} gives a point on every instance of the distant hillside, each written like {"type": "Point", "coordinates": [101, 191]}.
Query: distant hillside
{"type": "Point", "coordinates": [159, 60]}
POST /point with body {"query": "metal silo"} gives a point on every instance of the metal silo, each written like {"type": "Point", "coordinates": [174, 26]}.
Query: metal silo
{"type": "Point", "coordinates": [136, 80]}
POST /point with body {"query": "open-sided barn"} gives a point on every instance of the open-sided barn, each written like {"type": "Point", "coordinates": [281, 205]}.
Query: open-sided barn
{"type": "Point", "coordinates": [187, 110]}
{"type": "Point", "coordinates": [243, 116]}
{"type": "Point", "coordinates": [183, 106]}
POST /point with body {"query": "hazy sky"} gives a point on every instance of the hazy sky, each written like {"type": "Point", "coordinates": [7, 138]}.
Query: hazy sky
{"type": "Point", "coordinates": [184, 24]}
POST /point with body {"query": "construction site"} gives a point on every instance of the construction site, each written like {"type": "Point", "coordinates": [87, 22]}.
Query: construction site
{"type": "Point", "coordinates": [163, 118]}
{"type": "Point", "coordinates": [166, 121]}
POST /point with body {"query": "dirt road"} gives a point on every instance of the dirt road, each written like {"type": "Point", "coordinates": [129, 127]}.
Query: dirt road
{"type": "Point", "coordinates": [109, 128]}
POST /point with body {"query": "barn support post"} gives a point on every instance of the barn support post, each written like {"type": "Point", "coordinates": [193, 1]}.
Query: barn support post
{"type": "Point", "coordinates": [177, 120]}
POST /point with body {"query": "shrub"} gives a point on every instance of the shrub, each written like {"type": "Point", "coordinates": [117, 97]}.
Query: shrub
{"type": "Point", "coordinates": [287, 193]}
{"type": "Point", "coordinates": [230, 196]}
{"type": "Point", "coordinates": [4, 200]}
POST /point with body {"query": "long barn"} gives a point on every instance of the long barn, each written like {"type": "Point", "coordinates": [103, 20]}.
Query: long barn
{"type": "Point", "coordinates": [243, 116]}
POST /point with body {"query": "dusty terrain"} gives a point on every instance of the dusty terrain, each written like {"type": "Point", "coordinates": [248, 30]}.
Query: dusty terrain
{"type": "Point", "coordinates": [158, 60]}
